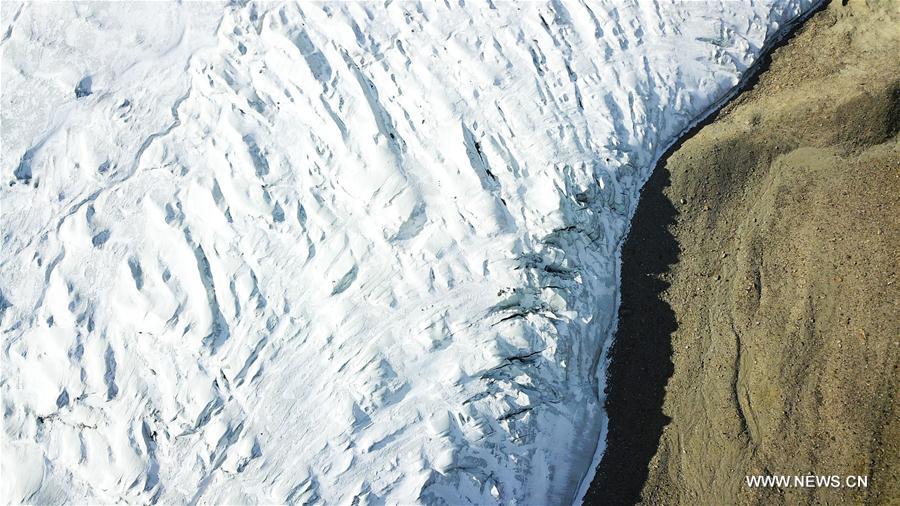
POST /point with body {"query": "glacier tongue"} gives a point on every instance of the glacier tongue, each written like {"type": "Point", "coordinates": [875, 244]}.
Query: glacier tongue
{"type": "Point", "coordinates": [262, 253]}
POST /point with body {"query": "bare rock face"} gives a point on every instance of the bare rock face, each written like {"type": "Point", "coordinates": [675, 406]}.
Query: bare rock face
{"type": "Point", "coordinates": [784, 293]}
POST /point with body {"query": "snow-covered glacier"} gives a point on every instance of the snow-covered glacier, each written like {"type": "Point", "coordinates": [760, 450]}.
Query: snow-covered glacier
{"type": "Point", "coordinates": [330, 252]}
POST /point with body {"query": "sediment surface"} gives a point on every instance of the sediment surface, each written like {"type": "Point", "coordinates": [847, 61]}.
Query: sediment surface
{"type": "Point", "coordinates": [759, 286]}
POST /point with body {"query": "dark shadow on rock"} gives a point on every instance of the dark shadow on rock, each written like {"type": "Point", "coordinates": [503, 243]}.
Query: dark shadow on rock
{"type": "Point", "coordinates": [641, 362]}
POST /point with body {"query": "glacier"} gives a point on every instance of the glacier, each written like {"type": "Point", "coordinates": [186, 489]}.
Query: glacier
{"type": "Point", "coordinates": [348, 253]}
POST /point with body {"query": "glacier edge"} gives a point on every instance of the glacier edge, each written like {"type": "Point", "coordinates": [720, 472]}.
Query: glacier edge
{"type": "Point", "coordinates": [329, 252]}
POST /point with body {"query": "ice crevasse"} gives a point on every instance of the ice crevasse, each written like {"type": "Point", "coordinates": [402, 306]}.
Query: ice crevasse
{"type": "Point", "coordinates": [330, 252]}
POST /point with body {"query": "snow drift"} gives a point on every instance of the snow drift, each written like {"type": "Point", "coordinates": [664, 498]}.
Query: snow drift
{"type": "Point", "coordinates": [333, 253]}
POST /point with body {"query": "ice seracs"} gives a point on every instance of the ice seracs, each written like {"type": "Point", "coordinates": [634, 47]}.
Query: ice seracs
{"type": "Point", "coordinates": [340, 252]}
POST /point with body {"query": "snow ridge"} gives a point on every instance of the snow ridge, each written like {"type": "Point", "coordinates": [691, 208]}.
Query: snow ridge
{"type": "Point", "coordinates": [341, 252]}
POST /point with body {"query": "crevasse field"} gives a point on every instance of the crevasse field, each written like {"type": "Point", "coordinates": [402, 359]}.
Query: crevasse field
{"type": "Point", "coordinates": [330, 253]}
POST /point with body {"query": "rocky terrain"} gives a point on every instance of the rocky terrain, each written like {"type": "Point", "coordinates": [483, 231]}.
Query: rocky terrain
{"type": "Point", "coordinates": [760, 298]}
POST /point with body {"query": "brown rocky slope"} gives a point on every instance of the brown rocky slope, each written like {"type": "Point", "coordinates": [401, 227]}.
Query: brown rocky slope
{"type": "Point", "coordinates": [763, 263]}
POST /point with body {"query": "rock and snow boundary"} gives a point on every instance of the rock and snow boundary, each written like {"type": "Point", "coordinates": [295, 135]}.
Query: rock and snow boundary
{"type": "Point", "coordinates": [329, 252]}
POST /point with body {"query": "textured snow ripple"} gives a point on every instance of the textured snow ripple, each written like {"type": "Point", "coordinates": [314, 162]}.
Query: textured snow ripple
{"type": "Point", "coordinates": [329, 252]}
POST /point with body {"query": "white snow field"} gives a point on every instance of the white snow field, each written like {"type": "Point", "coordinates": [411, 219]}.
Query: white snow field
{"type": "Point", "coordinates": [338, 253]}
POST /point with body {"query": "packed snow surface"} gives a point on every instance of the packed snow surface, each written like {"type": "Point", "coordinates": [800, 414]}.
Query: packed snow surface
{"type": "Point", "coordinates": [339, 252]}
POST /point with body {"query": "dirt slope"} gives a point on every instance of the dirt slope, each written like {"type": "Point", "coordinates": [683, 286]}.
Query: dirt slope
{"type": "Point", "coordinates": [771, 238]}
